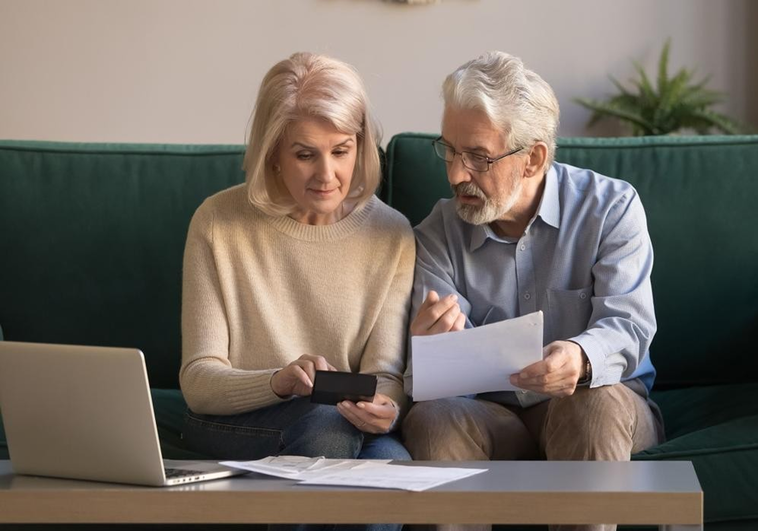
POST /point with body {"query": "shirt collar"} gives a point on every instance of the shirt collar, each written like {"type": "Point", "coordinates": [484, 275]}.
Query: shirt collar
{"type": "Point", "coordinates": [549, 210]}
{"type": "Point", "coordinates": [550, 205]}
{"type": "Point", "coordinates": [479, 235]}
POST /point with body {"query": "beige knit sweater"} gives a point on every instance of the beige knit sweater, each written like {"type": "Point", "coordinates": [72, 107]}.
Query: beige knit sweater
{"type": "Point", "coordinates": [260, 291]}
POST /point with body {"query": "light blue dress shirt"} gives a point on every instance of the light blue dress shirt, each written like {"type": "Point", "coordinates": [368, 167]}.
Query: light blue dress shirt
{"type": "Point", "coordinates": [584, 259]}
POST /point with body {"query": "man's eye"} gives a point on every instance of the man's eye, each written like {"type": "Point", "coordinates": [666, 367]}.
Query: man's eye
{"type": "Point", "coordinates": [477, 158]}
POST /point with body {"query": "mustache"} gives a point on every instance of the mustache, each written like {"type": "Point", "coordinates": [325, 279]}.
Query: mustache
{"type": "Point", "coordinates": [469, 188]}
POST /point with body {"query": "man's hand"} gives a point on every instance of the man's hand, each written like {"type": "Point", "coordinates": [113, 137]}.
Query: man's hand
{"type": "Point", "coordinates": [437, 316]}
{"type": "Point", "coordinates": [372, 417]}
{"type": "Point", "coordinates": [297, 377]}
{"type": "Point", "coordinates": [556, 375]}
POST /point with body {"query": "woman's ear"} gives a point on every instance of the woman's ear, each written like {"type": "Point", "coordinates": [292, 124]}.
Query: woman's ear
{"type": "Point", "coordinates": [537, 160]}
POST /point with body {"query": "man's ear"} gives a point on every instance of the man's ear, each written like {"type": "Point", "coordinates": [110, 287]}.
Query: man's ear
{"type": "Point", "coordinates": [537, 158]}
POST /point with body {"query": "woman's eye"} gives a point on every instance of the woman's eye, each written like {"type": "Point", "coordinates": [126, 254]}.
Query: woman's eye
{"type": "Point", "coordinates": [304, 156]}
{"type": "Point", "coordinates": [340, 153]}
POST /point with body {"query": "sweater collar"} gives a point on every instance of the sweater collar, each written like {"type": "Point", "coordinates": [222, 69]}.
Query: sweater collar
{"type": "Point", "coordinates": [323, 233]}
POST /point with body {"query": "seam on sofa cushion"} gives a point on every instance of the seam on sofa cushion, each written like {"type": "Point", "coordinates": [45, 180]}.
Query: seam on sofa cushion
{"type": "Point", "coordinates": [695, 452]}
{"type": "Point", "coordinates": [75, 148]}
{"type": "Point", "coordinates": [656, 141]}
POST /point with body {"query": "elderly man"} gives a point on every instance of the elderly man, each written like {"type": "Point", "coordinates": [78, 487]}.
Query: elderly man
{"type": "Point", "coordinates": [524, 233]}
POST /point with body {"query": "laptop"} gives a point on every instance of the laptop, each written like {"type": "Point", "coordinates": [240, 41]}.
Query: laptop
{"type": "Point", "coordinates": [86, 413]}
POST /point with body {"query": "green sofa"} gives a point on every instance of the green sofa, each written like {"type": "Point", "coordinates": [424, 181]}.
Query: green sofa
{"type": "Point", "coordinates": [92, 235]}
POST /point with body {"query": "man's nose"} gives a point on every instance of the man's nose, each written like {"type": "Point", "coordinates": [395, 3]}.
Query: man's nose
{"type": "Point", "coordinates": [457, 173]}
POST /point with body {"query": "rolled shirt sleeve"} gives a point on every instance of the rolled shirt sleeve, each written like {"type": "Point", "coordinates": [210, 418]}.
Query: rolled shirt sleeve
{"type": "Point", "coordinates": [622, 323]}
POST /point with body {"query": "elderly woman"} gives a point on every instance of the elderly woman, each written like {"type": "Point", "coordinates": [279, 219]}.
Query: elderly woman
{"type": "Point", "coordinates": [299, 269]}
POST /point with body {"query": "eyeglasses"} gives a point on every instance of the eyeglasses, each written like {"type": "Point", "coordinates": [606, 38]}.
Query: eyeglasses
{"type": "Point", "coordinates": [472, 161]}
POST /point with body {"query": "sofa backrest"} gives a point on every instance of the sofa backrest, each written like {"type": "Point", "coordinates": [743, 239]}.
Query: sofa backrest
{"type": "Point", "coordinates": [701, 199]}
{"type": "Point", "coordinates": [92, 238]}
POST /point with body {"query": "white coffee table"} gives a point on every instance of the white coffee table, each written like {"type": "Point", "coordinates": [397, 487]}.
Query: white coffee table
{"type": "Point", "coordinates": [665, 493]}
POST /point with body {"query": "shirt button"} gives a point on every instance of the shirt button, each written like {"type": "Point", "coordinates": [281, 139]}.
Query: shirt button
{"type": "Point", "coordinates": [527, 296]}
{"type": "Point", "coordinates": [523, 246]}
{"type": "Point", "coordinates": [582, 296]}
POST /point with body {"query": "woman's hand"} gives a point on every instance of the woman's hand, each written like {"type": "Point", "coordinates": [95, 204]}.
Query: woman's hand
{"type": "Point", "coordinates": [371, 417]}
{"type": "Point", "coordinates": [297, 377]}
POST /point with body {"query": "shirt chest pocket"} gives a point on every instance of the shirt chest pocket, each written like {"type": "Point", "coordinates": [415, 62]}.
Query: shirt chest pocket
{"type": "Point", "coordinates": [568, 313]}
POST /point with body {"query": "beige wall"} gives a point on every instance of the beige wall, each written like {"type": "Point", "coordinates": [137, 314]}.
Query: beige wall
{"type": "Point", "coordinates": [188, 70]}
{"type": "Point", "coordinates": [751, 64]}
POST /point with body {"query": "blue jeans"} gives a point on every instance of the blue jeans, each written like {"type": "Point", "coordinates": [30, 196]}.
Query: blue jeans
{"type": "Point", "coordinates": [295, 427]}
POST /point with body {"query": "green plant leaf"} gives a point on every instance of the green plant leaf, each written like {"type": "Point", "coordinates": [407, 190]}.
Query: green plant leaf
{"type": "Point", "coordinates": [675, 103]}
{"type": "Point", "coordinates": [663, 68]}
{"type": "Point", "coordinates": [605, 109]}
{"type": "Point", "coordinates": [719, 121]}
{"type": "Point", "coordinates": [702, 99]}
{"type": "Point", "coordinates": [621, 88]}
{"type": "Point", "coordinates": [647, 93]}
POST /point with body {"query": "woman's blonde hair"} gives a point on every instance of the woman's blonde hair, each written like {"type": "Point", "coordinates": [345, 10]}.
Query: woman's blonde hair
{"type": "Point", "coordinates": [307, 85]}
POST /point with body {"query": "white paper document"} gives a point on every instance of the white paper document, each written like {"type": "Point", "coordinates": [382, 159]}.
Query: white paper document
{"type": "Point", "coordinates": [413, 478]}
{"type": "Point", "coordinates": [354, 472]}
{"type": "Point", "coordinates": [475, 360]}
{"type": "Point", "coordinates": [298, 467]}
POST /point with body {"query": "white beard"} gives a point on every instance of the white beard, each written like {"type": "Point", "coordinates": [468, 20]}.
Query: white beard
{"type": "Point", "coordinates": [492, 209]}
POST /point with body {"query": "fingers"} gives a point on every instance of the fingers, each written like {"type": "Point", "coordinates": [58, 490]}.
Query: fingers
{"type": "Point", "coordinates": [382, 407]}
{"type": "Point", "coordinates": [420, 324]}
{"type": "Point", "coordinates": [310, 364]}
{"type": "Point", "coordinates": [437, 315]}
{"type": "Point", "coordinates": [431, 298]}
{"type": "Point", "coordinates": [460, 323]}
{"type": "Point", "coordinates": [319, 362]}
{"type": "Point", "coordinates": [307, 367]}
{"type": "Point", "coordinates": [540, 371]}
{"type": "Point", "coordinates": [297, 378]}
{"type": "Point", "coordinates": [557, 388]}
{"type": "Point", "coordinates": [556, 374]}
{"type": "Point", "coordinates": [358, 418]}
{"type": "Point", "coordinates": [303, 383]}
{"type": "Point", "coordinates": [369, 417]}
{"type": "Point", "coordinates": [291, 380]}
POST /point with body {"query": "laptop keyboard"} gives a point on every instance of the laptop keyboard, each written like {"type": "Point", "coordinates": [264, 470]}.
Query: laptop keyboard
{"type": "Point", "coordinates": [173, 473]}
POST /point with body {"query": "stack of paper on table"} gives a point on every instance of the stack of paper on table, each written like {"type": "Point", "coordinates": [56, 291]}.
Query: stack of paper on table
{"type": "Point", "coordinates": [475, 360]}
{"type": "Point", "coordinates": [354, 472]}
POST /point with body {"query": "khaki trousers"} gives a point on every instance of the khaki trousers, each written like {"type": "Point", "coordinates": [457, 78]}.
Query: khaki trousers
{"type": "Point", "coordinates": [605, 423]}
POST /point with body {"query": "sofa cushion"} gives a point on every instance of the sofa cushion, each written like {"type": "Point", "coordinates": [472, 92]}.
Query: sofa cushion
{"type": "Point", "coordinates": [717, 429]}
{"type": "Point", "coordinates": [170, 407]}
{"type": "Point", "coordinates": [93, 238]}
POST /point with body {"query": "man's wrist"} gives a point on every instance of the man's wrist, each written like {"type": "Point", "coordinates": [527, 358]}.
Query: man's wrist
{"type": "Point", "coordinates": [585, 378]}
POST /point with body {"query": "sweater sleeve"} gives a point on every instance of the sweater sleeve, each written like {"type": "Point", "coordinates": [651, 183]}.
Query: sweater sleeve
{"type": "Point", "coordinates": [208, 381]}
{"type": "Point", "coordinates": [385, 351]}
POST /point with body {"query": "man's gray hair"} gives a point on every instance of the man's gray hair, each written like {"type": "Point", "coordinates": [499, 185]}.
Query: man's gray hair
{"type": "Point", "coordinates": [515, 99]}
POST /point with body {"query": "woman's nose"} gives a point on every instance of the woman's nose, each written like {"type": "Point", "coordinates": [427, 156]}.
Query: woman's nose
{"type": "Point", "coordinates": [325, 170]}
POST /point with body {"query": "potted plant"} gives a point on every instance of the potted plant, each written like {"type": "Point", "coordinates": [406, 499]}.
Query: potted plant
{"type": "Point", "coordinates": [674, 104]}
